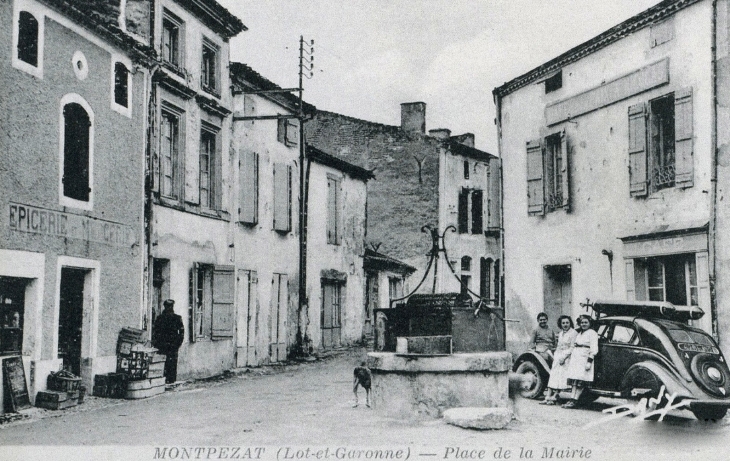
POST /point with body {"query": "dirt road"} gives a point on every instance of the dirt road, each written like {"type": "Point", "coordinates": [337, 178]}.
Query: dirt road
{"type": "Point", "coordinates": [310, 405]}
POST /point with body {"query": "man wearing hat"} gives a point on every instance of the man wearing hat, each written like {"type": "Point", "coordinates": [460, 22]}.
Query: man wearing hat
{"type": "Point", "coordinates": [167, 336]}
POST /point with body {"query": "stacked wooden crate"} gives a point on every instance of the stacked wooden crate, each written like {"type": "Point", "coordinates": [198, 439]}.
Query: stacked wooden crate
{"type": "Point", "coordinates": [64, 391]}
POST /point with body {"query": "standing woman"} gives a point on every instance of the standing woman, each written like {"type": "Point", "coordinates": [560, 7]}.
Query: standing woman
{"type": "Point", "coordinates": [559, 373]}
{"type": "Point", "coordinates": [580, 368]}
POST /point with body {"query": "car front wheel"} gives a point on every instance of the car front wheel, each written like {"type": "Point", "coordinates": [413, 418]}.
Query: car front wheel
{"type": "Point", "coordinates": [537, 382]}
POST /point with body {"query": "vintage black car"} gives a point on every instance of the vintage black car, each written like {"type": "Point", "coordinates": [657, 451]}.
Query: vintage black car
{"type": "Point", "coordinates": [643, 346]}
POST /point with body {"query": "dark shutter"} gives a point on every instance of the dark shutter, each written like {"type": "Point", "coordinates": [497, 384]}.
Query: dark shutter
{"type": "Point", "coordinates": [463, 211]}
{"type": "Point", "coordinates": [684, 167]}
{"type": "Point", "coordinates": [331, 210]}
{"type": "Point", "coordinates": [638, 180]}
{"type": "Point", "coordinates": [477, 212]}
{"type": "Point", "coordinates": [193, 301]}
{"type": "Point", "coordinates": [535, 188]}
{"type": "Point", "coordinates": [218, 171]}
{"type": "Point", "coordinates": [223, 301]}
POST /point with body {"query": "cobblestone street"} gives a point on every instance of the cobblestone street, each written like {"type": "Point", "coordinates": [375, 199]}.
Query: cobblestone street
{"type": "Point", "coordinates": [310, 405]}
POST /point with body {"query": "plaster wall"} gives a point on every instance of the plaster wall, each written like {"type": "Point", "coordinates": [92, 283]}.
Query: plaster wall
{"type": "Point", "coordinates": [259, 247]}
{"type": "Point", "coordinates": [602, 209]}
{"type": "Point", "coordinates": [31, 114]}
{"type": "Point", "coordinates": [346, 259]}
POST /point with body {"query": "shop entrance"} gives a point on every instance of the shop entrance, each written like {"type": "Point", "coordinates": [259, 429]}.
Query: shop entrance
{"type": "Point", "coordinates": [70, 318]}
{"type": "Point", "coordinates": [12, 310]}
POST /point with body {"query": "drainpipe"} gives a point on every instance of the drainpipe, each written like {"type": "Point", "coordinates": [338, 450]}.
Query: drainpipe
{"type": "Point", "coordinates": [712, 231]}
{"type": "Point", "coordinates": [302, 301]}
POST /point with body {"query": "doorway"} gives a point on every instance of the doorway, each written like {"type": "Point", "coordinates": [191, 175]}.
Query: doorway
{"type": "Point", "coordinates": [12, 313]}
{"type": "Point", "coordinates": [557, 291]}
{"type": "Point", "coordinates": [331, 314]}
{"type": "Point", "coordinates": [277, 317]}
{"type": "Point", "coordinates": [70, 318]}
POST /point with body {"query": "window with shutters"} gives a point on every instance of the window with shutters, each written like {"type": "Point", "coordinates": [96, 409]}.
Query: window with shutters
{"type": "Point", "coordinates": [212, 301]}
{"type": "Point", "coordinates": [485, 278]}
{"type": "Point", "coordinates": [248, 212]}
{"type": "Point", "coordinates": [77, 141]}
{"type": "Point", "coordinates": [282, 197]}
{"type": "Point", "coordinates": [470, 211]}
{"type": "Point", "coordinates": [334, 218]}
{"type": "Point", "coordinates": [210, 166]}
{"type": "Point", "coordinates": [172, 39]}
{"type": "Point", "coordinates": [170, 156]}
{"type": "Point", "coordinates": [547, 174]}
{"type": "Point", "coordinates": [395, 287]}
{"type": "Point", "coordinates": [660, 144]}
{"type": "Point", "coordinates": [667, 278]}
{"type": "Point", "coordinates": [210, 62]}
{"type": "Point", "coordinates": [288, 131]}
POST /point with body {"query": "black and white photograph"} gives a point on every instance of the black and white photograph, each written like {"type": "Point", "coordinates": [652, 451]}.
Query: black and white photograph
{"type": "Point", "coordinates": [364, 230]}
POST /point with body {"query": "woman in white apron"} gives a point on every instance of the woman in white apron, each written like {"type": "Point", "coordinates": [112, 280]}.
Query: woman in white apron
{"type": "Point", "coordinates": [559, 373]}
{"type": "Point", "coordinates": [580, 367]}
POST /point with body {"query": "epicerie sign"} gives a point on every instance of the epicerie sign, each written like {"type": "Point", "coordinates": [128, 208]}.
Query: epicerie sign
{"type": "Point", "coordinates": [34, 220]}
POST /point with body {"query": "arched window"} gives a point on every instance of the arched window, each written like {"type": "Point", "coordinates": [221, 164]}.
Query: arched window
{"type": "Point", "coordinates": [465, 277]}
{"type": "Point", "coordinates": [466, 263]}
{"type": "Point", "coordinates": [76, 150]}
{"type": "Point", "coordinates": [28, 38]}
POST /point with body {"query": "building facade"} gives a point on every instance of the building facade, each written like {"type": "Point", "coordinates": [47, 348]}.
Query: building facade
{"type": "Point", "coordinates": [436, 179]}
{"type": "Point", "coordinates": [74, 111]}
{"type": "Point", "coordinates": [266, 151]}
{"type": "Point", "coordinates": [608, 154]}
{"type": "Point", "coordinates": [191, 179]}
{"type": "Point", "coordinates": [336, 202]}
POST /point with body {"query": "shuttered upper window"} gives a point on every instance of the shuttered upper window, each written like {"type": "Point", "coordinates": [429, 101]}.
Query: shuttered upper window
{"type": "Point", "coordinates": [660, 144]}
{"type": "Point", "coordinates": [249, 188]}
{"type": "Point", "coordinates": [470, 211]}
{"type": "Point", "coordinates": [282, 197]}
{"type": "Point", "coordinates": [548, 174]}
{"type": "Point", "coordinates": [334, 193]}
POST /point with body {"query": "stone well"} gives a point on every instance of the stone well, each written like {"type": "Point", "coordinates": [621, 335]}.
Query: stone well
{"type": "Point", "coordinates": [419, 386]}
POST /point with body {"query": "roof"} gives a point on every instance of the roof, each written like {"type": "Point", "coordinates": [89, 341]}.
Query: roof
{"type": "Point", "coordinates": [102, 18]}
{"type": "Point", "coordinates": [461, 149]}
{"type": "Point", "coordinates": [244, 77]}
{"type": "Point", "coordinates": [379, 261]}
{"type": "Point", "coordinates": [644, 19]}
{"type": "Point", "coordinates": [215, 16]}
{"type": "Point", "coordinates": [324, 158]}
{"type": "Point", "coordinates": [666, 230]}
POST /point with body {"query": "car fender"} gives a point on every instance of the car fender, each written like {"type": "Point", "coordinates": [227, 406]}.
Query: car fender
{"type": "Point", "coordinates": [534, 357]}
{"type": "Point", "coordinates": [672, 383]}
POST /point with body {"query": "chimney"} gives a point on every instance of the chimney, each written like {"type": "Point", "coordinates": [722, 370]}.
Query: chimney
{"type": "Point", "coordinates": [413, 117]}
{"type": "Point", "coordinates": [440, 133]}
{"type": "Point", "coordinates": [466, 139]}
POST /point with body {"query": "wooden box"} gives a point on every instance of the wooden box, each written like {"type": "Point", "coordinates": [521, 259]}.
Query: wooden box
{"type": "Point", "coordinates": [145, 388]}
{"type": "Point", "coordinates": [56, 400]}
{"type": "Point", "coordinates": [156, 370]}
{"type": "Point", "coordinates": [111, 385]}
{"type": "Point", "coordinates": [63, 381]}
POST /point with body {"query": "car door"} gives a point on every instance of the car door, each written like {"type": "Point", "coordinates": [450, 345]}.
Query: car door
{"type": "Point", "coordinates": [619, 348]}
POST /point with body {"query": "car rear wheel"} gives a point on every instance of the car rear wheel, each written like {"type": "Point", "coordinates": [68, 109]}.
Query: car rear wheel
{"type": "Point", "coordinates": [709, 413]}
{"type": "Point", "coordinates": [537, 382]}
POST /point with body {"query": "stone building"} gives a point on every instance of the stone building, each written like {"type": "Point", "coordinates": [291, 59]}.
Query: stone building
{"type": "Point", "coordinates": [73, 95]}
{"type": "Point", "coordinates": [435, 179]}
{"type": "Point", "coordinates": [610, 154]}
{"type": "Point", "coordinates": [191, 175]}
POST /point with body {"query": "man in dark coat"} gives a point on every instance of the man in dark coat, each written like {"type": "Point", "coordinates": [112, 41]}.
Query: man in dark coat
{"type": "Point", "coordinates": [167, 336]}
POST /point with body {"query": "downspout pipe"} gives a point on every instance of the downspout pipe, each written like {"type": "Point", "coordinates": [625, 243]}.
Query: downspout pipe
{"type": "Point", "coordinates": [712, 231]}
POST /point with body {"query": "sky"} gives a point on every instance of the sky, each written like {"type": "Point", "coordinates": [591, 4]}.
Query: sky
{"type": "Point", "coordinates": [372, 55]}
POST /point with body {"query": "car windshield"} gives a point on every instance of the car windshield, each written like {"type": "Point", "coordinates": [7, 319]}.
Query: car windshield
{"type": "Point", "coordinates": [689, 336]}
